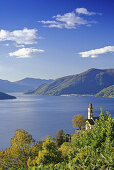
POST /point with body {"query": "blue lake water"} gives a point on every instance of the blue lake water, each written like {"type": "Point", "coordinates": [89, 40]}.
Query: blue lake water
{"type": "Point", "coordinates": [45, 115]}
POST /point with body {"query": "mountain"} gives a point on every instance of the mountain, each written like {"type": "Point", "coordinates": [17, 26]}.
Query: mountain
{"type": "Point", "coordinates": [7, 86]}
{"type": "Point", "coordinates": [88, 82]}
{"type": "Point", "coordinates": [31, 83]}
{"type": "Point", "coordinates": [22, 85]}
{"type": "Point", "coordinates": [4, 96]}
{"type": "Point", "coordinates": [106, 92]}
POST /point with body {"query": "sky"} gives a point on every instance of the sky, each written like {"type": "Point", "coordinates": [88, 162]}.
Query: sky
{"type": "Point", "coordinates": [53, 38]}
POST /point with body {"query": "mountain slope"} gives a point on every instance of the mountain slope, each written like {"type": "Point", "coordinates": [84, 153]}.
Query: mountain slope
{"type": "Point", "coordinates": [107, 92]}
{"type": "Point", "coordinates": [88, 82]}
{"type": "Point", "coordinates": [4, 96]}
{"type": "Point", "coordinates": [32, 82]}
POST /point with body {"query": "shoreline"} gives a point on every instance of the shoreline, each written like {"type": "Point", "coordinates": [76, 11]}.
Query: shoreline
{"type": "Point", "coordinates": [84, 95]}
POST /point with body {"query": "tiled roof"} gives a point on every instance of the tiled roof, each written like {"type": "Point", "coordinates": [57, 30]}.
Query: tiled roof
{"type": "Point", "coordinates": [91, 122]}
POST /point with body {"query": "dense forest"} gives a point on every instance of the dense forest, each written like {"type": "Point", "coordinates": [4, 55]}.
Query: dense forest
{"type": "Point", "coordinates": [90, 149]}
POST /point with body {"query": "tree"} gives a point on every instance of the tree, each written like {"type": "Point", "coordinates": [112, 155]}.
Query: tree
{"type": "Point", "coordinates": [20, 148]}
{"type": "Point", "coordinates": [59, 137]}
{"type": "Point", "coordinates": [17, 155]}
{"type": "Point", "coordinates": [49, 153]}
{"type": "Point", "coordinates": [66, 148]}
{"type": "Point", "coordinates": [94, 147]}
{"type": "Point", "coordinates": [78, 121]}
{"type": "Point", "coordinates": [22, 139]}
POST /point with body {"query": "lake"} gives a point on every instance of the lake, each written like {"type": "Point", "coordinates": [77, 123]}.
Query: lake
{"type": "Point", "coordinates": [45, 115]}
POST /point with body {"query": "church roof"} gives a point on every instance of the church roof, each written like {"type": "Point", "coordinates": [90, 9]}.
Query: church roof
{"type": "Point", "coordinates": [91, 121]}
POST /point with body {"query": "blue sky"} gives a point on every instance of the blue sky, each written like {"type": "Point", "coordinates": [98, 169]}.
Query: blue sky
{"type": "Point", "coordinates": [55, 38]}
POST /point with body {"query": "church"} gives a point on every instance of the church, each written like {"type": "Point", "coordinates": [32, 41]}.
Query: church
{"type": "Point", "coordinates": [90, 121]}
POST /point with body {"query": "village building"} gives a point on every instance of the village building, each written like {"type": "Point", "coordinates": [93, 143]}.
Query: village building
{"type": "Point", "coordinates": [90, 121]}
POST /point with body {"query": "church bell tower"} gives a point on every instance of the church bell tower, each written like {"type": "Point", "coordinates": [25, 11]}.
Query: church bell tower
{"type": "Point", "coordinates": [90, 111]}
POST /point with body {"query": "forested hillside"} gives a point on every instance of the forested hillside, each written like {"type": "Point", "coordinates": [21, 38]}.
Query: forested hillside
{"type": "Point", "coordinates": [88, 82]}
{"type": "Point", "coordinates": [107, 92]}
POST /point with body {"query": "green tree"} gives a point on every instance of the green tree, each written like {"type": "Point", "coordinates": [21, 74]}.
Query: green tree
{"type": "Point", "coordinates": [94, 147]}
{"type": "Point", "coordinates": [66, 148]}
{"type": "Point", "coordinates": [20, 148]}
{"type": "Point", "coordinates": [49, 154]}
{"type": "Point", "coordinates": [59, 137]}
{"type": "Point", "coordinates": [78, 121]}
{"type": "Point", "coordinates": [17, 155]}
{"type": "Point", "coordinates": [22, 140]}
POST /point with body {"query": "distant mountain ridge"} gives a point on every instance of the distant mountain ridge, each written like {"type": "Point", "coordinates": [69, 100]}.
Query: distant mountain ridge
{"type": "Point", "coordinates": [89, 82]}
{"type": "Point", "coordinates": [21, 85]}
{"type": "Point", "coordinates": [7, 86]}
{"type": "Point", "coordinates": [33, 82]}
{"type": "Point", "coordinates": [106, 92]}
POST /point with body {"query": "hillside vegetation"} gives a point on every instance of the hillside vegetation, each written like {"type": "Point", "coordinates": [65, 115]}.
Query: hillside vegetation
{"type": "Point", "coordinates": [107, 92]}
{"type": "Point", "coordinates": [91, 149]}
{"type": "Point", "coordinates": [89, 82]}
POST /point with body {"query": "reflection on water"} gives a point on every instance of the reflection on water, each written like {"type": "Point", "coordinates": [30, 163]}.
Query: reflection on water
{"type": "Point", "coordinates": [44, 115]}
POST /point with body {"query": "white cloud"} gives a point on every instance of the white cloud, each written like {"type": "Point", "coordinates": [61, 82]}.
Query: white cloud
{"type": "Point", "coordinates": [96, 52]}
{"type": "Point", "coordinates": [69, 20]}
{"type": "Point", "coordinates": [26, 52]}
{"type": "Point", "coordinates": [84, 11]}
{"type": "Point", "coordinates": [48, 22]}
{"type": "Point", "coordinates": [19, 45]}
{"type": "Point", "coordinates": [25, 36]}
{"type": "Point", "coordinates": [6, 45]}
